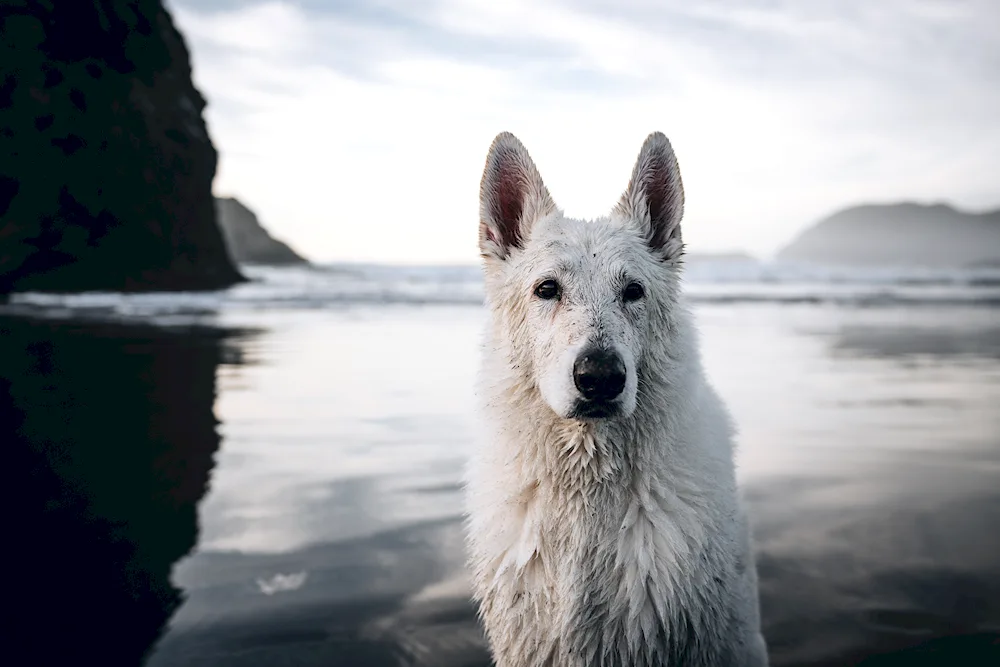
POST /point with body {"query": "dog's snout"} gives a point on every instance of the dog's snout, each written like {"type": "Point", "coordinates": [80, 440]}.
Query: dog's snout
{"type": "Point", "coordinates": [599, 375]}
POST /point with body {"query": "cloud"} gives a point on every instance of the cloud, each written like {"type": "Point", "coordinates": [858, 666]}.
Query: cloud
{"type": "Point", "coordinates": [357, 130]}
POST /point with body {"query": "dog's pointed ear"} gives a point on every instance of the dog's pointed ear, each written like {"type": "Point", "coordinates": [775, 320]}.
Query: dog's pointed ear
{"type": "Point", "coordinates": [512, 197]}
{"type": "Point", "coordinates": [654, 199]}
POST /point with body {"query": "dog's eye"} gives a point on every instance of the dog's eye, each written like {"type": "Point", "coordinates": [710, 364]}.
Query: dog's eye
{"type": "Point", "coordinates": [547, 289]}
{"type": "Point", "coordinates": [633, 292]}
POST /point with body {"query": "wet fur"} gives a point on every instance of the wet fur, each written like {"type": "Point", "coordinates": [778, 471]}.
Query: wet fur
{"type": "Point", "coordinates": [606, 542]}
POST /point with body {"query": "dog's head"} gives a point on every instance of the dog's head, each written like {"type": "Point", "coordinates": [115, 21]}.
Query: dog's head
{"type": "Point", "coordinates": [582, 305]}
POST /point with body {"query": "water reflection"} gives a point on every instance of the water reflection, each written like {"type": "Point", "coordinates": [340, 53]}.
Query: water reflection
{"type": "Point", "coordinates": [850, 572]}
{"type": "Point", "coordinates": [959, 334]}
{"type": "Point", "coordinates": [398, 597]}
{"type": "Point", "coordinates": [109, 436]}
{"type": "Point", "coordinates": [332, 536]}
{"type": "Point", "coordinates": [887, 552]}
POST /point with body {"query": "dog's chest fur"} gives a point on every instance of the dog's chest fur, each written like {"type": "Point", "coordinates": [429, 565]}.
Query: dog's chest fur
{"type": "Point", "coordinates": [584, 549]}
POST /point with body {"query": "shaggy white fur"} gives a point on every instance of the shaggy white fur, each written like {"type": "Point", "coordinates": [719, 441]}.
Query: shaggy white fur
{"type": "Point", "coordinates": [616, 539]}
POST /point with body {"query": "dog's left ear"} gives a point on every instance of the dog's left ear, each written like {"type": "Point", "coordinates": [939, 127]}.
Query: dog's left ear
{"type": "Point", "coordinates": [512, 197]}
{"type": "Point", "coordinates": [654, 199]}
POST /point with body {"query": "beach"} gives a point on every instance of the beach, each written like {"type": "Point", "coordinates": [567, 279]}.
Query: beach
{"type": "Point", "coordinates": [299, 501]}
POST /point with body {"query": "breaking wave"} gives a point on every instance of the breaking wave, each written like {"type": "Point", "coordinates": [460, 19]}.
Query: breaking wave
{"type": "Point", "coordinates": [344, 286]}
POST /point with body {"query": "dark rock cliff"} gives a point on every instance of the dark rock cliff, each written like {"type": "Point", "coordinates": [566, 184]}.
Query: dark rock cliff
{"type": "Point", "coordinates": [106, 165]}
{"type": "Point", "coordinates": [248, 241]}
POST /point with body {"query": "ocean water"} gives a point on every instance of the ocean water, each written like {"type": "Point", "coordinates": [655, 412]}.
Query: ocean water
{"type": "Point", "coordinates": [271, 475]}
{"type": "Point", "coordinates": [339, 286]}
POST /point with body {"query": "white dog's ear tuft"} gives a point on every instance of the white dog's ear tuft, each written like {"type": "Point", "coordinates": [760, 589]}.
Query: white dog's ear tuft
{"type": "Point", "coordinates": [512, 197]}
{"type": "Point", "coordinates": [654, 199]}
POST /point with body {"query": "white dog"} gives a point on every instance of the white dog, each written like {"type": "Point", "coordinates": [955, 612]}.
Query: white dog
{"type": "Point", "coordinates": [605, 525]}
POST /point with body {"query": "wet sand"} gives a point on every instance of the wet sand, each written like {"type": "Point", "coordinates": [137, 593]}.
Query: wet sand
{"type": "Point", "coordinates": [318, 522]}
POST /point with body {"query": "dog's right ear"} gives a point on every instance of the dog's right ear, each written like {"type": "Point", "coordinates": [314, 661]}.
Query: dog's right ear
{"type": "Point", "coordinates": [512, 197]}
{"type": "Point", "coordinates": [654, 200]}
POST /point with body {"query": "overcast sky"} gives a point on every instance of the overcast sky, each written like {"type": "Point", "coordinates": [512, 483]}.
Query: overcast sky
{"type": "Point", "coordinates": [357, 129]}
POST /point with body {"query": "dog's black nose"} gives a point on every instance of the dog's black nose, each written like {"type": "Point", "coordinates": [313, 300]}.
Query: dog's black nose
{"type": "Point", "coordinates": [599, 375]}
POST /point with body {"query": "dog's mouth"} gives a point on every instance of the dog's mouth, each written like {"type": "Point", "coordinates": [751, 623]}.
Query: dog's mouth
{"type": "Point", "coordinates": [596, 409]}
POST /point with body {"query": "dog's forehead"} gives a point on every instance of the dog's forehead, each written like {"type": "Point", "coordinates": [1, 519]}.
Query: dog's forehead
{"type": "Point", "coordinates": [598, 246]}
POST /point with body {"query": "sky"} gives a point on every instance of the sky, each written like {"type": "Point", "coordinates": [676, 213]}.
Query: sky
{"type": "Point", "coordinates": [357, 129]}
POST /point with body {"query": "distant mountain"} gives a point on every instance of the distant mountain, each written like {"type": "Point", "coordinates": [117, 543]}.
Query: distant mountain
{"type": "Point", "coordinates": [905, 234]}
{"type": "Point", "coordinates": [248, 241]}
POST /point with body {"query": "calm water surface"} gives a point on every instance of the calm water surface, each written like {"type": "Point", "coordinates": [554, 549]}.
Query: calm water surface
{"type": "Point", "coordinates": [283, 488]}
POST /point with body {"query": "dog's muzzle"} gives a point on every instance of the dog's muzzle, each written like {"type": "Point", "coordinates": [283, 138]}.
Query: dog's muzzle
{"type": "Point", "coordinates": [599, 376]}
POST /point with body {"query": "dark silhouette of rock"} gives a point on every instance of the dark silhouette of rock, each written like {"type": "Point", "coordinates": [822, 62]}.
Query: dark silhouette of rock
{"type": "Point", "coordinates": [904, 234]}
{"type": "Point", "coordinates": [109, 437]}
{"type": "Point", "coordinates": [248, 241]}
{"type": "Point", "coordinates": [106, 166]}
